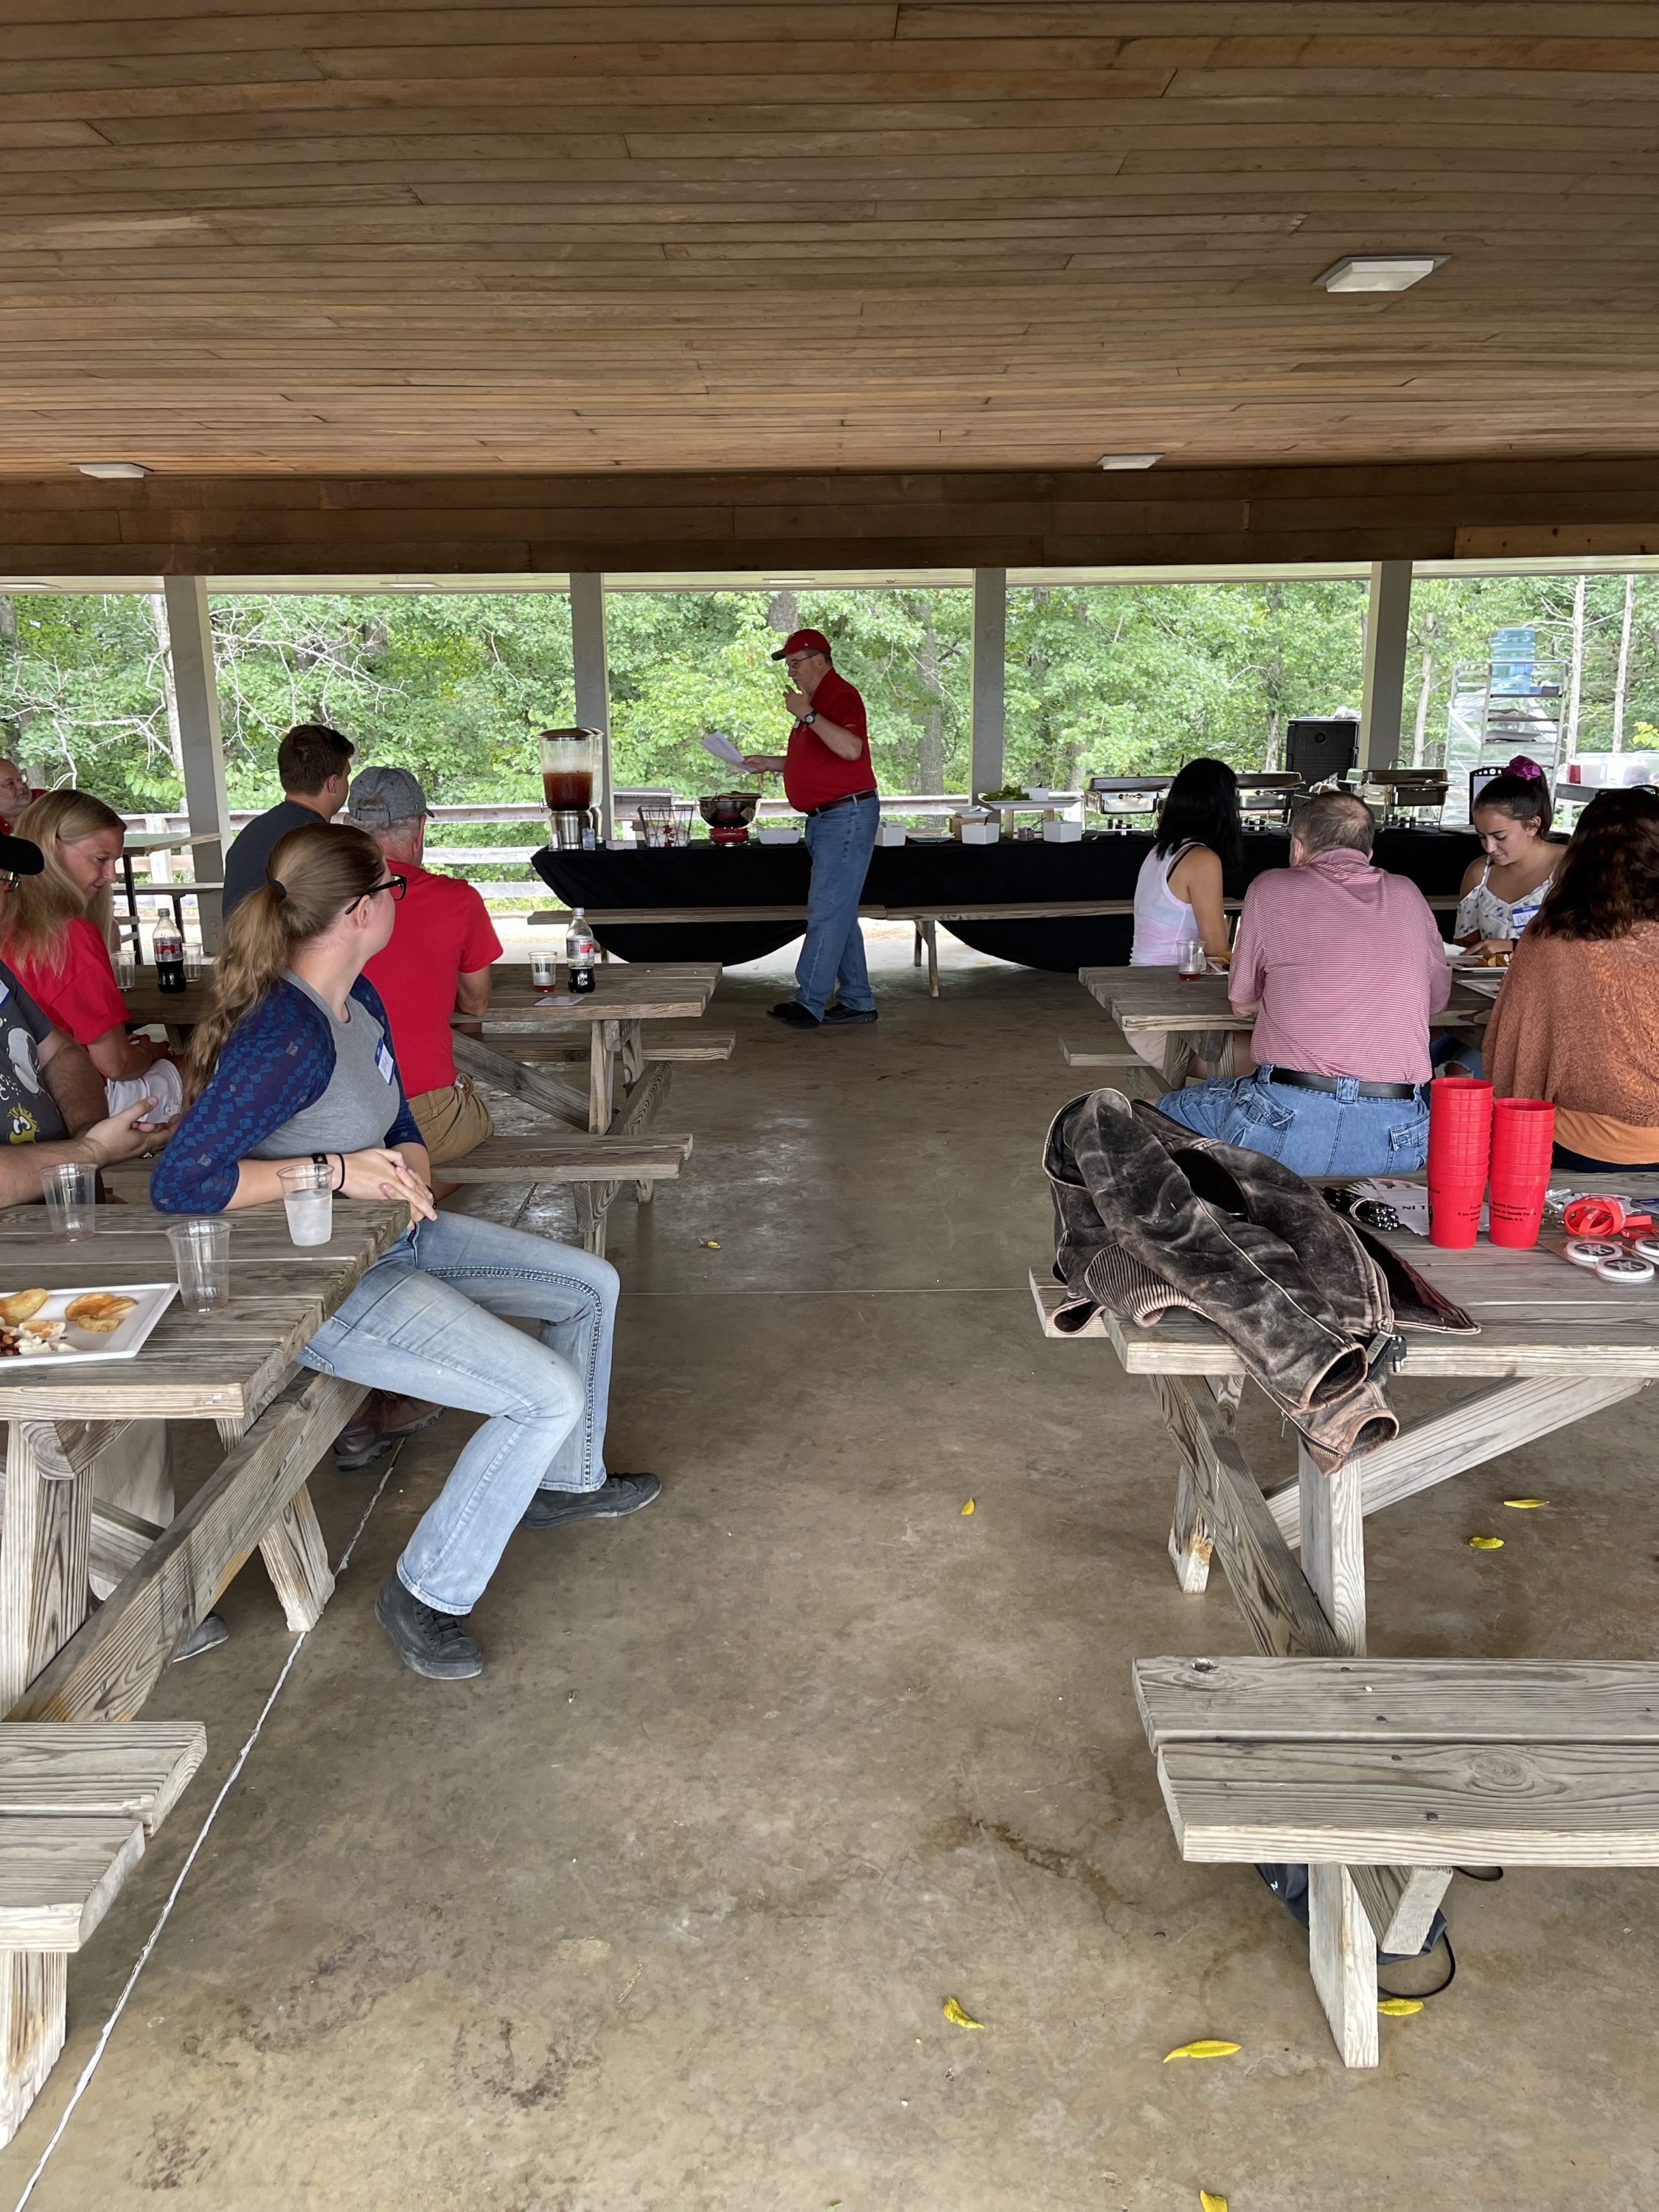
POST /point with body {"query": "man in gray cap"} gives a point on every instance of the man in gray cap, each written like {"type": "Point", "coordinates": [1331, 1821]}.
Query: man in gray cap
{"type": "Point", "coordinates": [436, 964]}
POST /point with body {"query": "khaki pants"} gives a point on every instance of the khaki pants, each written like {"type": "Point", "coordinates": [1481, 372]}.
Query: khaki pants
{"type": "Point", "coordinates": [452, 1120]}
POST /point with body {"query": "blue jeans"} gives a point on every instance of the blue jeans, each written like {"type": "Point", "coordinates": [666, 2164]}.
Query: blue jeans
{"type": "Point", "coordinates": [423, 1322]}
{"type": "Point", "coordinates": [1313, 1133]}
{"type": "Point", "coordinates": [841, 843]}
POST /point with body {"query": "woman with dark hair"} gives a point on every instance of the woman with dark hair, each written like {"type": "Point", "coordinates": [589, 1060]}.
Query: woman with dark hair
{"type": "Point", "coordinates": [294, 1063]}
{"type": "Point", "coordinates": [1503, 890]}
{"type": "Point", "coordinates": [1577, 1021]}
{"type": "Point", "coordinates": [1178, 890]}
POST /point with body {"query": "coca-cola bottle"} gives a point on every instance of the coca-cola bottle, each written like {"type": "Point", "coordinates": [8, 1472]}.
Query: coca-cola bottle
{"type": "Point", "coordinates": [167, 947]}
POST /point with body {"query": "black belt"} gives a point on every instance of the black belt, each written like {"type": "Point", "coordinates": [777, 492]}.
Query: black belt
{"type": "Point", "coordinates": [851, 800]}
{"type": "Point", "coordinates": [1299, 1080]}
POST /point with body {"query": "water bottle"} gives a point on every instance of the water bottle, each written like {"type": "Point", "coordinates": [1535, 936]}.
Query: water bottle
{"type": "Point", "coordinates": [167, 947]}
{"type": "Point", "coordinates": [581, 951]}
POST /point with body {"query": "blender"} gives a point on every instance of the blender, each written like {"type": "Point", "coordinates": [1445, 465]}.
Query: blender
{"type": "Point", "coordinates": [570, 763]}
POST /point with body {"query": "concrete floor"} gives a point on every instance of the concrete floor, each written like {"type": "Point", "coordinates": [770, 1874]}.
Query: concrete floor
{"type": "Point", "coordinates": [661, 1912]}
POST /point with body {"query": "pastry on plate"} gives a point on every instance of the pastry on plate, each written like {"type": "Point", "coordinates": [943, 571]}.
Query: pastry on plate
{"type": "Point", "coordinates": [99, 1312]}
{"type": "Point", "coordinates": [21, 1306]}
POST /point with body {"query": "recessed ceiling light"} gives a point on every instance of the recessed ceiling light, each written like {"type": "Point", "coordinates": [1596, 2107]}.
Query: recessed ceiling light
{"type": "Point", "coordinates": [112, 468]}
{"type": "Point", "coordinates": [1379, 272]}
{"type": "Point", "coordinates": [1129, 460]}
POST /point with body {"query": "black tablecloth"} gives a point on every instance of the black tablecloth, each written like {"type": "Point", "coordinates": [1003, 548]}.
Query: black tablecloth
{"type": "Point", "coordinates": [1103, 867]}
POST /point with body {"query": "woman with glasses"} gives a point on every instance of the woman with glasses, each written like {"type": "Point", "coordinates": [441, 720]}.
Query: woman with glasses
{"type": "Point", "coordinates": [294, 1063]}
{"type": "Point", "coordinates": [56, 935]}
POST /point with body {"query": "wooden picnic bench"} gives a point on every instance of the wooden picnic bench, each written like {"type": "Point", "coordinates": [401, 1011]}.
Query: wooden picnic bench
{"type": "Point", "coordinates": [1555, 1345]}
{"type": "Point", "coordinates": [58, 1668]}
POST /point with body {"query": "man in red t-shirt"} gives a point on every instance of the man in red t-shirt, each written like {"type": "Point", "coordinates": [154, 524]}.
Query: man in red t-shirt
{"type": "Point", "coordinates": [436, 964]}
{"type": "Point", "coordinates": [827, 776]}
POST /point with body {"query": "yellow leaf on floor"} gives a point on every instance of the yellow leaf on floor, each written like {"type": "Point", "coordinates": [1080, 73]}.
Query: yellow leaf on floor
{"type": "Point", "coordinates": [1486, 1543]}
{"type": "Point", "coordinates": [709, 1244]}
{"type": "Point", "coordinates": [957, 2017]}
{"type": "Point", "coordinates": [1526, 1505]}
{"type": "Point", "coordinates": [1399, 2008]}
{"type": "Point", "coordinates": [1209, 2201]}
{"type": "Point", "coordinates": [1205, 2047]}
{"type": "Point", "coordinates": [968, 1507]}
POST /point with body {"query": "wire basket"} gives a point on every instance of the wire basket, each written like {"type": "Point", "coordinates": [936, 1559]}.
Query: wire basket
{"type": "Point", "coordinates": [662, 823]}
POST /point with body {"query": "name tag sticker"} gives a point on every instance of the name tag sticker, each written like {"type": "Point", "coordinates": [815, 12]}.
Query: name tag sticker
{"type": "Point", "coordinates": [5, 992]}
{"type": "Point", "coordinates": [384, 1061]}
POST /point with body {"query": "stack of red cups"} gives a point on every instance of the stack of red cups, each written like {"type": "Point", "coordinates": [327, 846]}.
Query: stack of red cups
{"type": "Point", "coordinates": [1523, 1140]}
{"type": "Point", "coordinates": [1460, 1146]}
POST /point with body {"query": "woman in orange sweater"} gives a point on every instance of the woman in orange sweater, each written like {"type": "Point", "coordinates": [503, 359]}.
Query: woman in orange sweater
{"type": "Point", "coordinates": [1577, 1019]}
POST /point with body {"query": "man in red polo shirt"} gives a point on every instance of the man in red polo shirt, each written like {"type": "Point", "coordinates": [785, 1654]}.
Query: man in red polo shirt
{"type": "Point", "coordinates": [827, 776]}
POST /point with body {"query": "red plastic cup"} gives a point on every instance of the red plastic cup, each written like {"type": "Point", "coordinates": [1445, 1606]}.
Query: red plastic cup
{"type": "Point", "coordinates": [1523, 1140]}
{"type": "Point", "coordinates": [1454, 1214]}
{"type": "Point", "coordinates": [1460, 1129]}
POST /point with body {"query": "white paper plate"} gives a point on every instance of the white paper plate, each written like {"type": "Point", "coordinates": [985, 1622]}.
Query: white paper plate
{"type": "Point", "coordinates": [151, 1302]}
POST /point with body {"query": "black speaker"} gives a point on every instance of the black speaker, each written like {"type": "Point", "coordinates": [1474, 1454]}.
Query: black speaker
{"type": "Point", "coordinates": [1320, 751]}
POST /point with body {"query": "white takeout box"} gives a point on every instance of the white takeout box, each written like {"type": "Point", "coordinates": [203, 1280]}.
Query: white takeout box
{"type": "Point", "coordinates": [1057, 831]}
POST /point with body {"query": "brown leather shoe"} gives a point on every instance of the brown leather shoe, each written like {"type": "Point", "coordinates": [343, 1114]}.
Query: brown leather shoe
{"type": "Point", "coordinates": [383, 1420]}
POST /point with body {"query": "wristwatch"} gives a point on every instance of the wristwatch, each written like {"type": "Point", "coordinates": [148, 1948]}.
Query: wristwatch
{"type": "Point", "coordinates": [809, 718]}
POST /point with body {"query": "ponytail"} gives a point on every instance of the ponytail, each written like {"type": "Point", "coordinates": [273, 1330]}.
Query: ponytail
{"type": "Point", "coordinates": [312, 877]}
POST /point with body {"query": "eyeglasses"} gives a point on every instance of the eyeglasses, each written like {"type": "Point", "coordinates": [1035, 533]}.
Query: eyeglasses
{"type": "Point", "coordinates": [396, 884]}
{"type": "Point", "coordinates": [796, 658]}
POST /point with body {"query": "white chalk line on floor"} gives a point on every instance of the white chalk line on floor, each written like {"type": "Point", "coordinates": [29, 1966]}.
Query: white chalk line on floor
{"type": "Point", "coordinates": [166, 1913]}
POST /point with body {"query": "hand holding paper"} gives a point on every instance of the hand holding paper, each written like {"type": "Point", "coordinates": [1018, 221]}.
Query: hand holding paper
{"type": "Point", "coordinates": [717, 742]}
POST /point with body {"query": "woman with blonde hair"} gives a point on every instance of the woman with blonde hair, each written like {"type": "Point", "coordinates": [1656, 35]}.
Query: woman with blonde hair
{"type": "Point", "coordinates": [56, 929]}
{"type": "Point", "coordinates": [294, 1063]}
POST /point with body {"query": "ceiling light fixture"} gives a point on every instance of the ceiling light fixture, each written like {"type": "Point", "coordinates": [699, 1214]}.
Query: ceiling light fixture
{"type": "Point", "coordinates": [1129, 460]}
{"type": "Point", "coordinates": [111, 469]}
{"type": "Point", "coordinates": [1379, 272]}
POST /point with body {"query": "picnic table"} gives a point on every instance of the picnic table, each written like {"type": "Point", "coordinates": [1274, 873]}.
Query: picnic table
{"type": "Point", "coordinates": [1555, 1345]}
{"type": "Point", "coordinates": [1161, 1001]}
{"type": "Point", "coordinates": [626, 1084]}
{"type": "Point", "coordinates": [235, 1368]}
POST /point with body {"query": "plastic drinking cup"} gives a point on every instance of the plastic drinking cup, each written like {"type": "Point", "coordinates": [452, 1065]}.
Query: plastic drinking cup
{"type": "Point", "coordinates": [1454, 1214]}
{"type": "Point", "coordinates": [1460, 1128]}
{"type": "Point", "coordinates": [1193, 961]}
{"type": "Point", "coordinates": [1523, 1144]}
{"type": "Point", "coordinates": [545, 970]}
{"type": "Point", "coordinates": [201, 1253]}
{"type": "Point", "coordinates": [195, 965]}
{"type": "Point", "coordinates": [308, 1197]}
{"type": "Point", "coordinates": [70, 1191]}
{"type": "Point", "coordinates": [124, 969]}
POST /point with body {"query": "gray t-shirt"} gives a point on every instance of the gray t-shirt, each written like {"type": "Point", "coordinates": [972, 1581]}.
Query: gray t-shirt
{"type": "Point", "coordinates": [361, 1102]}
{"type": "Point", "coordinates": [245, 863]}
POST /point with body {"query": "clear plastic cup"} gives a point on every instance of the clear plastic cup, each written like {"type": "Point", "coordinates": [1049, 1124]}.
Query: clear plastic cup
{"type": "Point", "coordinates": [1195, 961]}
{"type": "Point", "coordinates": [545, 970]}
{"type": "Point", "coordinates": [123, 968]}
{"type": "Point", "coordinates": [195, 965]}
{"type": "Point", "coordinates": [201, 1253]}
{"type": "Point", "coordinates": [308, 1195]}
{"type": "Point", "coordinates": [70, 1190]}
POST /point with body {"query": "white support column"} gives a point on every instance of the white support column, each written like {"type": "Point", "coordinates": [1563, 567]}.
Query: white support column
{"type": "Point", "coordinates": [989, 656]}
{"type": "Point", "coordinates": [592, 672]}
{"type": "Point", "coordinates": [1387, 626]}
{"type": "Point", "coordinates": [201, 748]}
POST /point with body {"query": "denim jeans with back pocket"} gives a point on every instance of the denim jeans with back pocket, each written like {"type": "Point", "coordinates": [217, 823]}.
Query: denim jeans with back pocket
{"type": "Point", "coordinates": [1312, 1133]}
{"type": "Point", "coordinates": [841, 843]}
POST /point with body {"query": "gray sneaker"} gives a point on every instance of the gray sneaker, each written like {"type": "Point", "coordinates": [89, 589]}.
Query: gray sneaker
{"type": "Point", "coordinates": [617, 1495]}
{"type": "Point", "coordinates": [430, 1643]}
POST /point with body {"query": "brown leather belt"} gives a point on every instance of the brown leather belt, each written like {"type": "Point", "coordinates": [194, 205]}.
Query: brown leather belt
{"type": "Point", "coordinates": [1299, 1080]}
{"type": "Point", "coordinates": [851, 798]}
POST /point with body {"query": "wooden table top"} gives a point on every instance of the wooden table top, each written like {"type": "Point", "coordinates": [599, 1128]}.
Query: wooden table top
{"type": "Point", "coordinates": [1539, 1314]}
{"type": "Point", "coordinates": [219, 1366]}
{"type": "Point", "coordinates": [1162, 999]}
{"type": "Point", "coordinates": [624, 991]}
{"type": "Point", "coordinates": [148, 1002]}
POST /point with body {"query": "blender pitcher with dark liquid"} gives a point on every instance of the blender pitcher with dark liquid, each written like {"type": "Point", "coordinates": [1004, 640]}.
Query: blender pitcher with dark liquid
{"type": "Point", "coordinates": [570, 768]}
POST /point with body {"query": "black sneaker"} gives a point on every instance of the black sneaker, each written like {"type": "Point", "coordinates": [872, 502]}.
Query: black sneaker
{"type": "Point", "coordinates": [428, 1641]}
{"type": "Point", "coordinates": [617, 1495]}
{"type": "Point", "coordinates": [793, 1012]}
{"type": "Point", "coordinates": [844, 1016]}
{"type": "Point", "coordinates": [208, 1634]}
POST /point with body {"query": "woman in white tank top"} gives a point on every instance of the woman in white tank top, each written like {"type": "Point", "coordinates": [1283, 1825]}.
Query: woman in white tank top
{"type": "Point", "coordinates": [1178, 890]}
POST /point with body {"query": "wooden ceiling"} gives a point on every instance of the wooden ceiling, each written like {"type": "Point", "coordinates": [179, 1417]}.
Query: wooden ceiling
{"type": "Point", "coordinates": [386, 238]}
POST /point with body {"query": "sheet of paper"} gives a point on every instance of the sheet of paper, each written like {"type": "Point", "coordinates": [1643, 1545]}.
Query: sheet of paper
{"type": "Point", "coordinates": [717, 742]}
{"type": "Point", "coordinates": [1410, 1200]}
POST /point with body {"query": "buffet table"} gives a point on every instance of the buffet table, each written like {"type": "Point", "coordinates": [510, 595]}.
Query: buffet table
{"type": "Point", "coordinates": [1036, 882]}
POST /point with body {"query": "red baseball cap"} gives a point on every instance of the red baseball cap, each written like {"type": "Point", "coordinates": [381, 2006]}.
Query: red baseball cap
{"type": "Point", "coordinates": [803, 640]}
